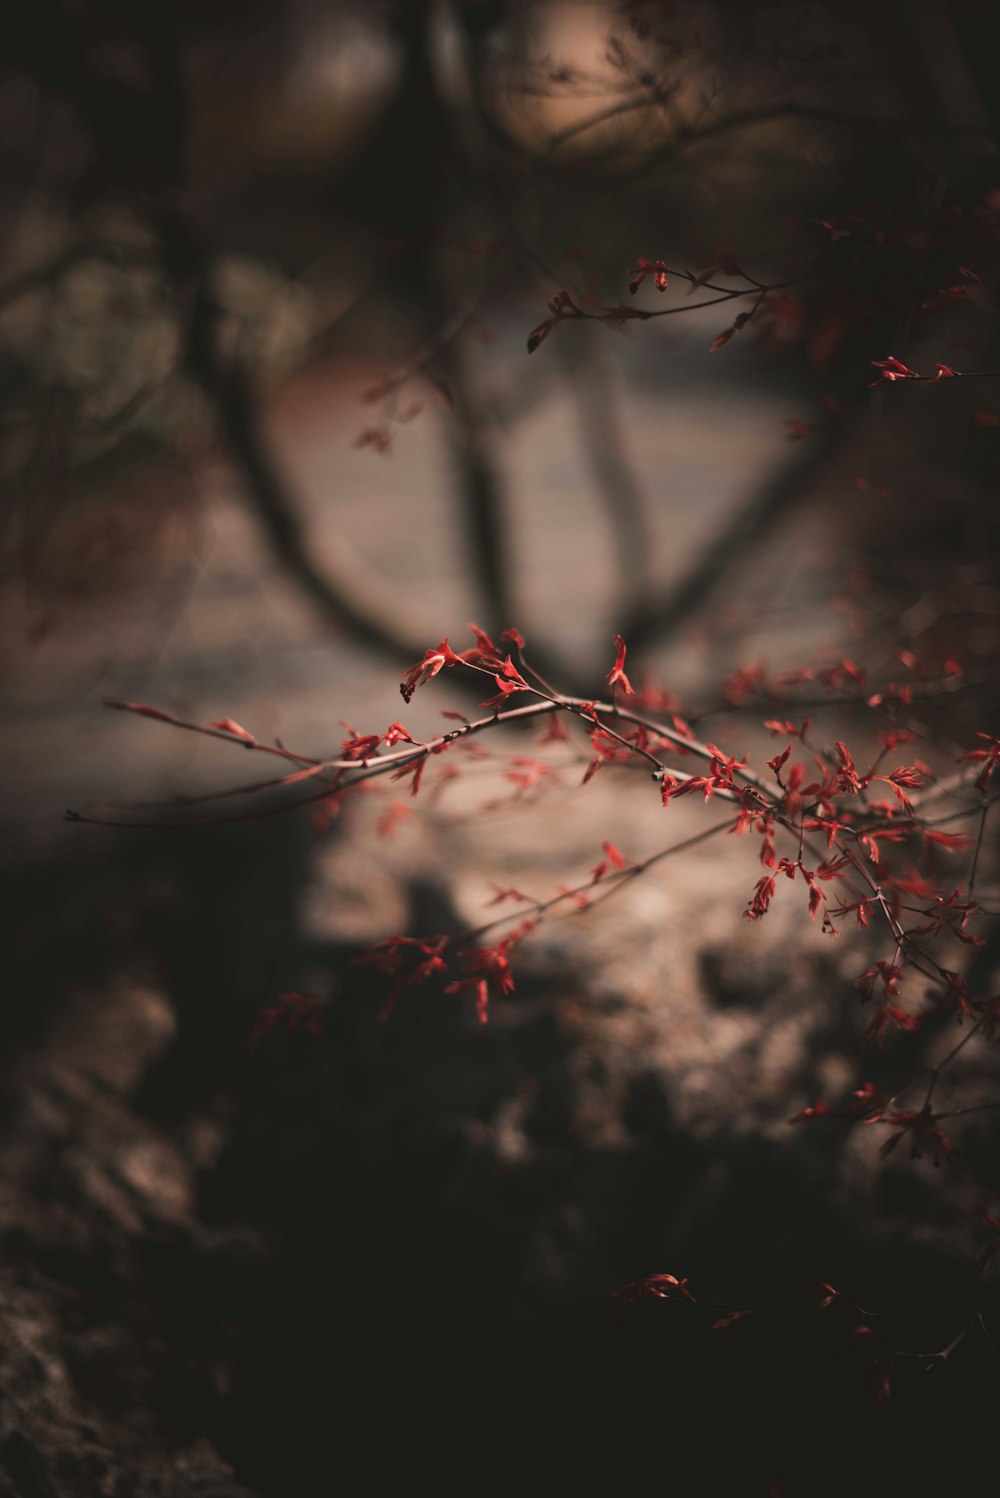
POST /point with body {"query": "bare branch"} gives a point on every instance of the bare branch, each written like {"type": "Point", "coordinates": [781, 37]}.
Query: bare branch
{"type": "Point", "coordinates": [764, 508]}
{"type": "Point", "coordinates": [617, 486]}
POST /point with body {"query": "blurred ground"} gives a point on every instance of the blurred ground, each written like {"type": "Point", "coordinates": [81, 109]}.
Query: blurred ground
{"type": "Point", "coordinates": [387, 1256]}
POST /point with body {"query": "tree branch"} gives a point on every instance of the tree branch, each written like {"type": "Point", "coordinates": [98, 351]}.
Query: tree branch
{"type": "Point", "coordinates": [768, 504]}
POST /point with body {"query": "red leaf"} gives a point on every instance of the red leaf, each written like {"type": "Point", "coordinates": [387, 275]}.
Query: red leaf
{"type": "Point", "coordinates": [726, 1323]}
{"type": "Point", "coordinates": [644, 268]}
{"type": "Point", "coordinates": [142, 709]}
{"type": "Point", "coordinates": [394, 733]}
{"type": "Point", "coordinates": [538, 335]}
{"type": "Point", "coordinates": [429, 666]}
{"type": "Point", "coordinates": [614, 855]}
{"type": "Point", "coordinates": [617, 672]}
{"type": "Point", "coordinates": [891, 369]}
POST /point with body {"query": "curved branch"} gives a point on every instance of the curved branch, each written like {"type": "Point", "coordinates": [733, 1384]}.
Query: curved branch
{"type": "Point", "coordinates": [756, 519]}
{"type": "Point", "coordinates": [348, 599]}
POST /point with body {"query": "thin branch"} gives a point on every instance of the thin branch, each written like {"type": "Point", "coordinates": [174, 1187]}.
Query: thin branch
{"type": "Point", "coordinates": [731, 547]}
{"type": "Point", "coordinates": [613, 881]}
{"type": "Point", "coordinates": [979, 847]}
{"type": "Point", "coordinates": [480, 493]}
{"type": "Point", "coordinates": [616, 482]}
{"type": "Point", "coordinates": [351, 602]}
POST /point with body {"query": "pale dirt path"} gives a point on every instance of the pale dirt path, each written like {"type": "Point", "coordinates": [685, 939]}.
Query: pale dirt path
{"type": "Point", "coordinates": [227, 635]}
{"type": "Point", "coordinates": [199, 619]}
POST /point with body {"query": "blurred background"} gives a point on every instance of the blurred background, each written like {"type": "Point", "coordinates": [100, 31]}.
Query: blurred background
{"type": "Point", "coordinates": [270, 428]}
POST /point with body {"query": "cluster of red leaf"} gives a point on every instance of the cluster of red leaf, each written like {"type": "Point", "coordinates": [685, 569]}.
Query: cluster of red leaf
{"type": "Point", "coordinates": [860, 1331]}
{"type": "Point", "coordinates": [813, 806]}
{"type": "Point", "coordinates": [290, 1011]}
{"type": "Point", "coordinates": [820, 801]}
